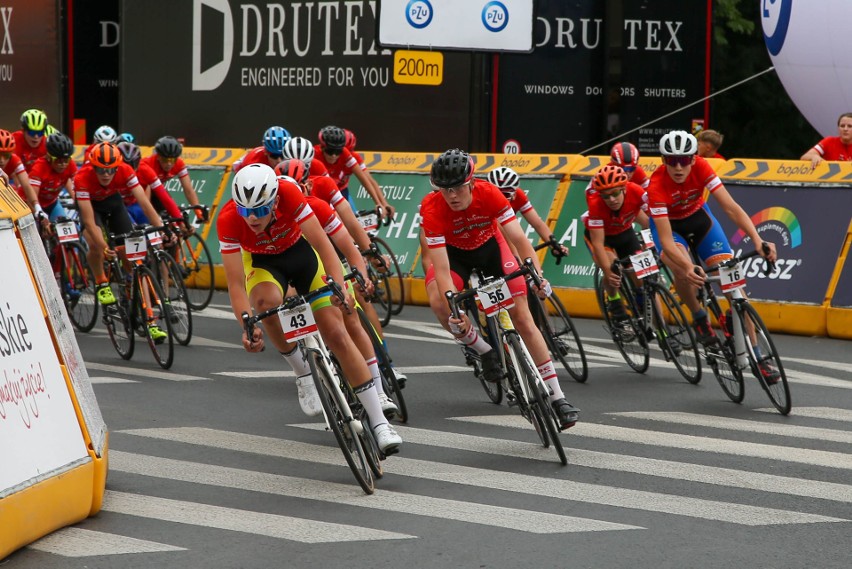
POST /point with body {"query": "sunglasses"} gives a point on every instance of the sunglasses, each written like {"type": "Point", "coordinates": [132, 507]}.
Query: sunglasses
{"type": "Point", "coordinates": [677, 160]}
{"type": "Point", "coordinates": [36, 133]}
{"type": "Point", "coordinates": [105, 171]}
{"type": "Point", "coordinates": [333, 151]}
{"type": "Point", "coordinates": [260, 211]}
{"type": "Point", "coordinates": [275, 156]}
{"type": "Point", "coordinates": [610, 195]}
{"type": "Point", "coordinates": [629, 169]}
{"type": "Point", "coordinates": [453, 190]}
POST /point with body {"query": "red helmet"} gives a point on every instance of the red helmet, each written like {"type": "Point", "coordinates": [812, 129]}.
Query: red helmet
{"type": "Point", "coordinates": [105, 155]}
{"type": "Point", "coordinates": [351, 141]}
{"type": "Point", "coordinates": [609, 177]}
{"type": "Point", "coordinates": [294, 168]}
{"type": "Point", "coordinates": [7, 141]}
{"type": "Point", "coordinates": [625, 155]}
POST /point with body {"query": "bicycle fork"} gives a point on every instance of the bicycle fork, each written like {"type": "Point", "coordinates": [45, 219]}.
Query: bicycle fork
{"type": "Point", "coordinates": [357, 428]}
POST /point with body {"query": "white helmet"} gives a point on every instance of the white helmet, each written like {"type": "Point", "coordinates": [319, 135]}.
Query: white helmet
{"type": "Point", "coordinates": [504, 178]}
{"type": "Point", "coordinates": [300, 149]}
{"type": "Point", "coordinates": [678, 143]}
{"type": "Point", "coordinates": [105, 133]}
{"type": "Point", "coordinates": [255, 185]}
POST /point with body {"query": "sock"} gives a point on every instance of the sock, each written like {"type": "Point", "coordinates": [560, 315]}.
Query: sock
{"type": "Point", "coordinates": [373, 366]}
{"type": "Point", "coordinates": [297, 362]}
{"type": "Point", "coordinates": [369, 398]}
{"type": "Point", "coordinates": [548, 374]}
{"type": "Point", "coordinates": [700, 315]}
{"type": "Point", "coordinates": [473, 340]}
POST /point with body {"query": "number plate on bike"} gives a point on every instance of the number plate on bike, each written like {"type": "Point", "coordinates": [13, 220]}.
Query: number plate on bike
{"type": "Point", "coordinates": [298, 322]}
{"type": "Point", "coordinates": [647, 238]}
{"type": "Point", "coordinates": [155, 238]}
{"type": "Point", "coordinates": [135, 248]}
{"type": "Point", "coordinates": [495, 296]}
{"type": "Point", "coordinates": [369, 222]}
{"type": "Point", "coordinates": [67, 232]}
{"type": "Point", "coordinates": [644, 264]}
{"type": "Point", "coordinates": [731, 278]}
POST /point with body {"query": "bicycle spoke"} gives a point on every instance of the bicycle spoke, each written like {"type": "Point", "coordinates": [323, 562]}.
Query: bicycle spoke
{"type": "Point", "coordinates": [765, 363]}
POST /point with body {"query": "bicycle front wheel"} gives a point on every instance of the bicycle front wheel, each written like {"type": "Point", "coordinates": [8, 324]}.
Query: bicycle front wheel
{"type": "Point", "coordinates": [675, 335]}
{"type": "Point", "coordinates": [197, 269]}
{"type": "Point", "coordinates": [390, 385]}
{"type": "Point", "coordinates": [118, 319]}
{"type": "Point", "coordinates": [151, 313]}
{"type": "Point", "coordinates": [340, 424]}
{"type": "Point", "coordinates": [765, 363]}
{"type": "Point", "coordinates": [396, 292]}
{"type": "Point", "coordinates": [176, 296]}
{"type": "Point", "coordinates": [629, 336]}
{"type": "Point", "coordinates": [562, 338]}
{"type": "Point", "coordinates": [77, 285]}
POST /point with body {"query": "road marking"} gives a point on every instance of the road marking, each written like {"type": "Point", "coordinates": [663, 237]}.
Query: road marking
{"type": "Point", "coordinates": [208, 343]}
{"type": "Point", "coordinates": [830, 413]}
{"type": "Point", "coordinates": [814, 379]}
{"type": "Point", "coordinates": [256, 374]}
{"type": "Point", "coordinates": [727, 423]}
{"type": "Point", "coordinates": [483, 478]}
{"type": "Point", "coordinates": [688, 442]}
{"type": "Point", "coordinates": [426, 328]}
{"type": "Point", "coordinates": [419, 338]}
{"type": "Point", "coordinates": [105, 379]}
{"type": "Point", "coordinates": [257, 523]}
{"type": "Point", "coordinates": [126, 370]}
{"type": "Point", "coordinates": [215, 313]}
{"type": "Point", "coordinates": [819, 363]}
{"type": "Point", "coordinates": [350, 494]}
{"type": "Point", "coordinates": [79, 542]}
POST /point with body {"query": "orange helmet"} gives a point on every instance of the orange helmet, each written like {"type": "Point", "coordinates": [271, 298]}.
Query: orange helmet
{"type": "Point", "coordinates": [105, 155]}
{"type": "Point", "coordinates": [7, 141]}
{"type": "Point", "coordinates": [609, 177]}
{"type": "Point", "coordinates": [293, 168]}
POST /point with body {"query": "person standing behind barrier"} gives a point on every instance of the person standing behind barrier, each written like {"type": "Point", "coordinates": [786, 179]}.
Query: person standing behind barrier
{"type": "Point", "coordinates": [709, 141]}
{"type": "Point", "coordinates": [835, 148]}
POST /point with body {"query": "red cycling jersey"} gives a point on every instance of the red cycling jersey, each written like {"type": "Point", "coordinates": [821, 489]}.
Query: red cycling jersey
{"type": "Point", "coordinates": [324, 188]}
{"type": "Point", "coordinates": [678, 201]}
{"type": "Point", "coordinates": [600, 216]}
{"type": "Point", "coordinates": [256, 155]}
{"type": "Point", "coordinates": [14, 166]}
{"type": "Point", "coordinates": [520, 202]}
{"type": "Point", "coordinates": [341, 169]}
{"type": "Point", "coordinates": [27, 153]}
{"type": "Point", "coordinates": [179, 169]}
{"type": "Point", "coordinates": [282, 233]}
{"type": "Point", "coordinates": [831, 148]}
{"type": "Point", "coordinates": [331, 224]}
{"type": "Point", "coordinates": [47, 182]}
{"type": "Point", "coordinates": [87, 186]}
{"type": "Point", "coordinates": [469, 228]}
{"type": "Point", "coordinates": [317, 168]}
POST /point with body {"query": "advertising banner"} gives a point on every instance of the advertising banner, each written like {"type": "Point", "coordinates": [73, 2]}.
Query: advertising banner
{"type": "Point", "coordinates": [843, 293]}
{"type": "Point", "coordinates": [206, 182]}
{"type": "Point", "coordinates": [577, 270]}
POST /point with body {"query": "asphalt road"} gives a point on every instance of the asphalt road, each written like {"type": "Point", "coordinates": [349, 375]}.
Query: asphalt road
{"type": "Point", "coordinates": [212, 465]}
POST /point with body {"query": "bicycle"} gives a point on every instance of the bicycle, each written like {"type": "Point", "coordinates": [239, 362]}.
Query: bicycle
{"type": "Point", "coordinates": [194, 259]}
{"type": "Point", "coordinates": [742, 341]}
{"type": "Point", "coordinates": [139, 300]}
{"type": "Point", "coordinates": [344, 416]}
{"type": "Point", "coordinates": [385, 272]}
{"type": "Point", "coordinates": [176, 298]}
{"type": "Point", "coordinates": [73, 274]}
{"type": "Point", "coordinates": [525, 387]}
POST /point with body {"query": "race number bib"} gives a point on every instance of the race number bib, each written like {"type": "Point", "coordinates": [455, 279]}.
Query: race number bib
{"type": "Point", "coordinates": [156, 238]}
{"type": "Point", "coordinates": [67, 232]}
{"type": "Point", "coordinates": [644, 264]}
{"type": "Point", "coordinates": [369, 222]}
{"type": "Point", "coordinates": [135, 248]}
{"type": "Point", "coordinates": [298, 322]}
{"type": "Point", "coordinates": [495, 296]}
{"type": "Point", "coordinates": [731, 278]}
{"type": "Point", "coordinates": [647, 239]}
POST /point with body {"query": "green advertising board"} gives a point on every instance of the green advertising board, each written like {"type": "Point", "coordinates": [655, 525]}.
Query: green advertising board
{"type": "Point", "coordinates": [205, 181]}
{"type": "Point", "coordinates": [577, 269]}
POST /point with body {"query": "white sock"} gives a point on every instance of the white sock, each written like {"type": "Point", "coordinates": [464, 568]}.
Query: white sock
{"type": "Point", "coordinates": [473, 340]}
{"type": "Point", "coordinates": [297, 361]}
{"type": "Point", "coordinates": [369, 398]}
{"type": "Point", "coordinates": [373, 366]}
{"type": "Point", "coordinates": [548, 374]}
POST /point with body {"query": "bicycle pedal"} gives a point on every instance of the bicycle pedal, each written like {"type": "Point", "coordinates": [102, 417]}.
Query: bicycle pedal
{"type": "Point", "coordinates": [511, 400]}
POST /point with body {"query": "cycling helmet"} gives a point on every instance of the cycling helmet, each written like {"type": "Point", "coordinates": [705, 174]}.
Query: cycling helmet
{"type": "Point", "coordinates": [275, 138]}
{"type": "Point", "coordinates": [7, 141]}
{"type": "Point", "coordinates": [34, 119]}
{"type": "Point", "coordinates": [625, 155]}
{"type": "Point", "coordinates": [351, 141]}
{"type": "Point", "coordinates": [452, 168]}
{"type": "Point", "coordinates": [168, 147]}
{"type": "Point", "coordinates": [130, 153]}
{"type": "Point", "coordinates": [293, 168]}
{"type": "Point", "coordinates": [678, 143]}
{"type": "Point", "coordinates": [300, 149]}
{"type": "Point", "coordinates": [504, 178]}
{"type": "Point", "coordinates": [50, 129]}
{"type": "Point", "coordinates": [254, 186]}
{"type": "Point", "coordinates": [59, 146]}
{"type": "Point", "coordinates": [609, 177]}
{"type": "Point", "coordinates": [105, 155]}
{"type": "Point", "coordinates": [126, 137]}
{"type": "Point", "coordinates": [105, 133]}
{"type": "Point", "coordinates": [332, 137]}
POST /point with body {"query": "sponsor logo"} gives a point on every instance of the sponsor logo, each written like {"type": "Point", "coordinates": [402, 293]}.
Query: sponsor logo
{"type": "Point", "coordinates": [495, 16]}
{"type": "Point", "coordinates": [211, 18]}
{"type": "Point", "coordinates": [780, 226]}
{"type": "Point", "coordinates": [775, 17]}
{"type": "Point", "coordinates": [419, 13]}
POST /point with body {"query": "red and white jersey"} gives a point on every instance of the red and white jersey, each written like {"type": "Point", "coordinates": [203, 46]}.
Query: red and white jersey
{"type": "Point", "coordinates": [87, 186]}
{"type": "Point", "coordinates": [341, 169]}
{"type": "Point", "coordinates": [179, 169]}
{"type": "Point", "coordinates": [331, 224]}
{"type": "Point", "coordinates": [256, 155]}
{"type": "Point", "coordinates": [282, 233]}
{"type": "Point", "coordinates": [324, 188]}
{"type": "Point", "coordinates": [147, 179]}
{"type": "Point", "coordinates": [831, 148]}
{"type": "Point", "coordinates": [27, 153]}
{"type": "Point", "coordinates": [520, 202]}
{"type": "Point", "coordinates": [600, 216]}
{"type": "Point", "coordinates": [47, 182]}
{"type": "Point", "coordinates": [14, 166]}
{"type": "Point", "coordinates": [469, 228]}
{"type": "Point", "coordinates": [678, 201]}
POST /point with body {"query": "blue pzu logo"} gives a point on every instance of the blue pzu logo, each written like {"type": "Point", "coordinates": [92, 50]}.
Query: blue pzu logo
{"type": "Point", "coordinates": [775, 16]}
{"type": "Point", "coordinates": [419, 13]}
{"type": "Point", "coordinates": [495, 16]}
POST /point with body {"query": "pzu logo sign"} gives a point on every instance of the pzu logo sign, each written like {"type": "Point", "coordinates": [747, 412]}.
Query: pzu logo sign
{"type": "Point", "coordinates": [419, 13]}
{"type": "Point", "coordinates": [495, 16]}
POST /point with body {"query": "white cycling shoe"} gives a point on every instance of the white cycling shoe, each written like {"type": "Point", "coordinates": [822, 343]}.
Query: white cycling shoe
{"type": "Point", "coordinates": [308, 397]}
{"type": "Point", "coordinates": [387, 439]}
{"type": "Point", "coordinates": [389, 408]}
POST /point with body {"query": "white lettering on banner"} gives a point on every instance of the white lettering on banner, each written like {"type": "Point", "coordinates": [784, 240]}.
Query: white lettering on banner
{"type": "Point", "coordinates": [6, 44]}
{"type": "Point", "coordinates": [396, 225]}
{"type": "Point", "coordinates": [414, 230]}
{"type": "Point", "coordinates": [110, 34]}
{"type": "Point", "coordinates": [570, 234]}
{"type": "Point", "coordinates": [652, 30]}
{"type": "Point", "coordinates": [6, 72]}
{"type": "Point", "coordinates": [398, 193]}
{"type": "Point", "coordinates": [565, 32]}
{"type": "Point", "coordinates": [646, 35]}
{"type": "Point", "coordinates": [173, 185]}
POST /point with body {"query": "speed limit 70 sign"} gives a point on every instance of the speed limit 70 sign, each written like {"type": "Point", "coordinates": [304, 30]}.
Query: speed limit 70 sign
{"type": "Point", "coordinates": [511, 146]}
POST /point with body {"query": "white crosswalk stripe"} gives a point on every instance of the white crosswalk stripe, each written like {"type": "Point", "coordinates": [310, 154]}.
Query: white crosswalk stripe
{"type": "Point", "coordinates": [79, 542]}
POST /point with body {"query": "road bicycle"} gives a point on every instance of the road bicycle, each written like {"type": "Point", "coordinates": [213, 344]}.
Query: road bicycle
{"type": "Point", "coordinates": [76, 281]}
{"type": "Point", "coordinates": [382, 268]}
{"type": "Point", "coordinates": [194, 259]}
{"type": "Point", "coordinates": [175, 295]}
{"type": "Point", "coordinates": [344, 415]}
{"type": "Point", "coordinates": [524, 385]}
{"type": "Point", "coordinates": [743, 343]}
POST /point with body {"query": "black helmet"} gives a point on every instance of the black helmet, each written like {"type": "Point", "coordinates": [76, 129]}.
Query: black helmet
{"type": "Point", "coordinates": [452, 168]}
{"type": "Point", "coordinates": [59, 146]}
{"type": "Point", "coordinates": [168, 147]}
{"type": "Point", "coordinates": [332, 137]}
{"type": "Point", "coordinates": [131, 153]}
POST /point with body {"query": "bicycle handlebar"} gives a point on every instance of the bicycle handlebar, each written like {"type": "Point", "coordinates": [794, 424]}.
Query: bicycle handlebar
{"type": "Point", "coordinates": [378, 211]}
{"type": "Point", "coordinates": [454, 298]}
{"type": "Point", "coordinates": [770, 266]}
{"type": "Point", "coordinates": [555, 248]}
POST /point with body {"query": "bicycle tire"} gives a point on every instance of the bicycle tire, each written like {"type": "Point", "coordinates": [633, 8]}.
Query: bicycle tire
{"type": "Point", "coordinates": [561, 337]}
{"type": "Point", "coordinates": [164, 353]}
{"type": "Point", "coordinates": [353, 450]}
{"type": "Point", "coordinates": [494, 390]}
{"type": "Point", "coordinates": [178, 310]}
{"type": "Point", "coordinates": [778, 392]}
{"type": "Point", "coordinates": [678, 334]}
{"type": "Point", "coordinates": [524, 406]}
{"type": "Point", "coordinates": [540, 407]}
{"type": "Point", "coordinates": [380, 298]}
{"type": "Point", "coordinates": [396, 300]}
{"type": "Point", "coordinates": [118, 317]}
{"type": "Point", "coordinates": [599, 290]}
{"type": "Point", "coordinates": [373, 454]}
{"type": "Point", "coordinates": [390, 385]}
{"type": "Point", "coordinates": [76, 275]}
{"type": "Point", "coordinates": [629, 338]}
{"type": "Point", "coordinates": [197, 268]}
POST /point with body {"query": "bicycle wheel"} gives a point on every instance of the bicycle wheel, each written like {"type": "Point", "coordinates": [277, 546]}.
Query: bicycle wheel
{"type": "Point", "coordinates": [164, 352]}
{"type": "Point", "coordinates": [396, 292]}
{"type": "Point", "coordinates": [118, 318]}
{"type": "Point", "coordinates": [373, 454]}
{"type": "Point", "coordinates": [350, 444]}
{"type": "Point", "coordinates": [561, 336]}
{"type": "Point", "coordinates": [390, 385]}
{"type": "Point", "coordinates": [762, 356]}
{"type": "Point", "coordinates": [197, 269]}
{"type": "Point", "coordinates": [675, 335]}
{"type": "Point", "coordinates": [517, 399]}
{"type": "Point", "coordinates": [77, 285]}
{"type": "Point", "coordinates": [494, 390]}
{"type": "Point", "coordinates": [381, 294]}
{"type": "Point", "coordinates": [598, 277]}
{"type": "Point", "coordinates": [175, 295]}
{"type": "Point", "coordinates": [628, 336]}
{"type": "Point", "coordinates": [539, 406]}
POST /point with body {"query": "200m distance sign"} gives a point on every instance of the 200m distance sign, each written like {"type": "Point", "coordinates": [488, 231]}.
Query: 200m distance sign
{"type": "Point", "coordinates": [418, 67]}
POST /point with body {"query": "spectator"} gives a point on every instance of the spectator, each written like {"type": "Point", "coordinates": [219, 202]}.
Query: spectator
{"type": "Point", "coordinates": [709, 142]}
{"type": "Point", "coordinates": [833, 147]}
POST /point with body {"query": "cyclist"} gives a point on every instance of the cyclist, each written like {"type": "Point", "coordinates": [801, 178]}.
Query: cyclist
{"type": "Point", "coordinates": [126, 137]}
{"type": "Point", "coordinates": [103, 133]}
{"type": "Point", "coordinates": [460, 224]}
{"type": "Point", "coordinates": [167, 164]}
{"type": "Point", "coordinates": [281, 243]}
{"type": "Point", "coordinates": [270, 152]}
{"type": "Point", "coordinates": [680, 219]}
{"type": "Point", "coordinates": [13, 170]}
{"type": "Point", "coordinates": [350, 143]}
{"type": "Point", "coordinates": [53, 173]}
{"type": "Point", "coordinates": [29, 141]}
{"type": "Point", "coordinates": [626, 156]}
{"type": "Point", "coordinates": [298, 148]}
{"type": "Point", "coordinates": [150, 182]}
